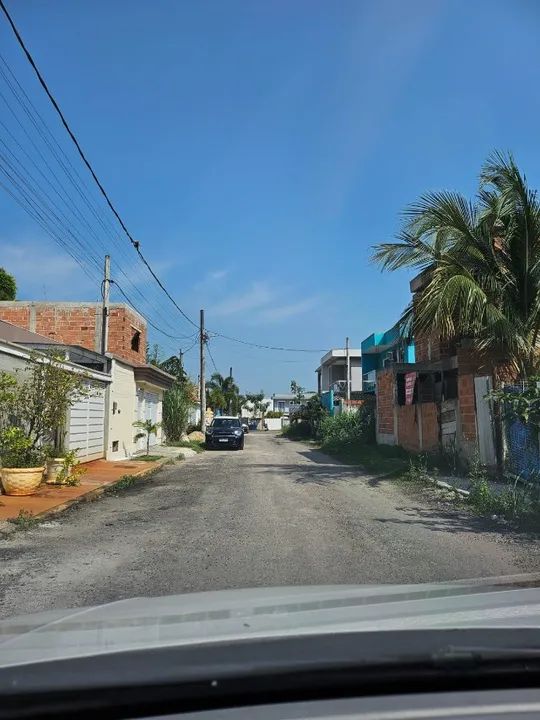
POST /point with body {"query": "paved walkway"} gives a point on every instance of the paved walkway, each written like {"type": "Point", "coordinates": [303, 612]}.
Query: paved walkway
{"type": "Point", "coordinates": [99, 474]}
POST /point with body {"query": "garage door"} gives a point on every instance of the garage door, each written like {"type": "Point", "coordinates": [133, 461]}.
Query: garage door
{"type": "Point", "coordinates": [87, 426]}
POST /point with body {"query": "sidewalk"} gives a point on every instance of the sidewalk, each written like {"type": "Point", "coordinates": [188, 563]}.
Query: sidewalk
{"type": "Point", "coordinates": [53, 498]}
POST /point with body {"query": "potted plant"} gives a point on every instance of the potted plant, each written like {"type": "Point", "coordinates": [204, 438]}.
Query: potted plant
{"type": "Point", "coordinates": [22, 465]}
{"type": "Point", "coordinates": [64, 470]}
{"type": "Point", "coordinates": [39, 402]}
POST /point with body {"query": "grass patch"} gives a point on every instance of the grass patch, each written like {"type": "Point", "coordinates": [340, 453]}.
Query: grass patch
{"type": "Point", "coordinates": [25, 520]}
{"type": "Point", "coordinates": [197, 445]}
{"type": "Point", "coordinates": [128, 481]}
{"type": "Point", "coordinates": [148, 458]}
{"type": "Point", "coordinates": [375, 459]}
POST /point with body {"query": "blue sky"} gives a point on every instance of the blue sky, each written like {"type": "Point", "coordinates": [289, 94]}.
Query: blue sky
{"type": "Point", "coordinates": [258, 149]}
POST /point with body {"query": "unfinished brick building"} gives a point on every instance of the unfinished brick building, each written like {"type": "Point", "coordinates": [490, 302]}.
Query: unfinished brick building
{"type": "Point", "coordinates": [80, 323]}
{"type": "Point", "coordinates": [438, 401]}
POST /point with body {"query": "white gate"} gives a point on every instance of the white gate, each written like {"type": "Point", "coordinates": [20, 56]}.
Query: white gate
{"type": "Point", "coordinates": [484, 421]}
{"type": "Point", "coordinates": [86, 430]}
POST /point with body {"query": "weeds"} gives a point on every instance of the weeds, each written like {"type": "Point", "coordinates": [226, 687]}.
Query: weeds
{"type": "Point", "coordinates": [520, 500]}
{"type": "Point", "coordinates": [418, 470]}
{"type": "Point", "coordinates": [25, 520]}
{"type": "Point", "coordinates": [148, 458]}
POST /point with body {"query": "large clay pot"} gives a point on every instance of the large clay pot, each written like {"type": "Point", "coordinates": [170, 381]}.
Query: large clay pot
{"type": "Point", "coordinates": [21, 481]}
{"type": "Point", "coordinates": [54, 465]}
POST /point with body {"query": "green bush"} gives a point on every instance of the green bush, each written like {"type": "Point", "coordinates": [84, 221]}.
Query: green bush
{"type": "Point", "coordinates": [273, 414]}
{"type": "Point", "coordinates": [176, 405]}
{"type": "Point", "coordinates": [300, 430]}
{"type": "Point", "coordinates": [347, 429]}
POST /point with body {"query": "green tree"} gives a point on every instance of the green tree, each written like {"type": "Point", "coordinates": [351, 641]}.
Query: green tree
{"type": "Point", "coordinates": [222, 393]}
{"type": "Point", "coordinates": [298, 391]}
{"type": "Point", "coordinates": [481, 266]}
{"type": "Point", "coordinates": [40, 397]}
{"type": "Point", "coordinates": [8, 286]}
{"type": "Point", "coordinates": [149, 428]}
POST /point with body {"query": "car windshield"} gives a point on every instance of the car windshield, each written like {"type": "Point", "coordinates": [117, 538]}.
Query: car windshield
{"type": "Point", "coordinates": [270, 295]}
{"type": "Point", "coordinates": [226, 423]}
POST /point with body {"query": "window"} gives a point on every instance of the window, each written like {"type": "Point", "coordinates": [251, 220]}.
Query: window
{"type": "Point", "coordinates": [226, 423]}
{"type": "Point", "coordinates": [115, 446]}
{"type": "Point", "coordinates": [135, 340]}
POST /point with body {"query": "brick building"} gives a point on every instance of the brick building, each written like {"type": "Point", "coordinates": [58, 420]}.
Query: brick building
{"type": "Point", "coordinates": [80, 323]}
{"type": "Point", "coordinates": [438, 401]}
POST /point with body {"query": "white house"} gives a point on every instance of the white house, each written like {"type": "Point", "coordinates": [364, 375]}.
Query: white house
{"type": "Point", "coordinates": [332, 372]}
{"type": "Point", "coordinates": [100, 425]}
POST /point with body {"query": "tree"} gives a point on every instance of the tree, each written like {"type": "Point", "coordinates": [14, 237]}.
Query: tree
{"type": "Point", "coordinates": [40, 397]}
{"type": "Point", "coordinates": [298, 391]}
{"type": "Point", "coordinates": [149, 428]}
{"type": "Point", "coordinates": [481, 266]}
{"type": "Point", "coordinates": [177, 402]}
{"type": "Point", "coordinates": [152, 354]}
{"type": "Point", "coordinates": [254, 402]}
{"type": "Point", "coordinates": [222, 392]}
{"type": "Point", "coordinates": [8, 286]}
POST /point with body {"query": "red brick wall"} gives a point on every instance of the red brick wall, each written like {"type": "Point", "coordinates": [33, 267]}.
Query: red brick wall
{"type": "Point", "coordinates": [430, 426]}
{"type": "Point", "coordinates": [122, 324]}
{"type": "Point", "coordinates": [385, 402]}
{"type": "Point", "coordinates": [80, 325]}
{"type": "Point", "coordinates": [408, 436]}
{"type": "Point", "coordinates": [19, 316]}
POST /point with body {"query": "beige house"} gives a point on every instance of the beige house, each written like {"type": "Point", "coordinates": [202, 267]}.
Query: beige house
{"type": "Point", "coordinates": [136, 393]}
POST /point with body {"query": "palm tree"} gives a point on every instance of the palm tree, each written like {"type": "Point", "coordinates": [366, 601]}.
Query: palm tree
{"type": "Point", "coordinates": [149, 427]}
{"type": "Point", "coordinates": [481, 266]}
{"type": "Point", "coordinates": [221, 392]}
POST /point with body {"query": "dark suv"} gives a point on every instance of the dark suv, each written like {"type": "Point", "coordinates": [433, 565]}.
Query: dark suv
{"type": "Point", "coordinates": [225, 432]}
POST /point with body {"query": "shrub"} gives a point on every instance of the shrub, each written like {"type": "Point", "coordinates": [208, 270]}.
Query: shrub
{"type": "Point", "coordinates": [299, 430]}
{"type": "Point", "coordinates": [274, 414]}
{"type": "Point", "coordinates": [176, 404]}
{"type": "Point", "coordinates": [347, 429]}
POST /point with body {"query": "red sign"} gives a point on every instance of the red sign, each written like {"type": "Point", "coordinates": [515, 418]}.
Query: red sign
{"type": "Point", "coordinates": [410, 381]}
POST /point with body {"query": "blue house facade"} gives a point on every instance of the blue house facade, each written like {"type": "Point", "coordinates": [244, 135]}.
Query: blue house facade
{"type": "Point", "coordinates": [381, 350]}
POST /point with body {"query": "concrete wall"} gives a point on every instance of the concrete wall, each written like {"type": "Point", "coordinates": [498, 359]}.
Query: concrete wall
{"type": "Point", "coordinates": [120, 416]}
{"type": "Point", "coordinates": [80, 324]}
{"type": "Point", "coordinates": [356, 375]}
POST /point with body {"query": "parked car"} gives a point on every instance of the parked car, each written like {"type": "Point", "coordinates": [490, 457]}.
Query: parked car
{"type": "Point", "coordinates": [225, 431]}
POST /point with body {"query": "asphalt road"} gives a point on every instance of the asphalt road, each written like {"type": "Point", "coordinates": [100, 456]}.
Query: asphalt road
{"type": "Point", "coordinates": [277, 513]}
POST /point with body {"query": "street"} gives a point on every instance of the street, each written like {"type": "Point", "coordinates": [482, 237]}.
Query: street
{"type": "Point", "coordinates": [278, 513]}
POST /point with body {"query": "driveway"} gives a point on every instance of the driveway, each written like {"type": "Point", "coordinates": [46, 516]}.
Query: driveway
{"type": "Point", "coordinates": [277, 513]}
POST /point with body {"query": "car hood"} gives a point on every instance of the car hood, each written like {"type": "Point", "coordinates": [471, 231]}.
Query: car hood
{"type": "Point", "coordinates": [212, 617]}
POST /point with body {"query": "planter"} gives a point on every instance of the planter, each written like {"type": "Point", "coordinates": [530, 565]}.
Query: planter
{"type": "Point", "coordinates": [21, 481]}
{"type": "Point", "coordinates": [54, 466]}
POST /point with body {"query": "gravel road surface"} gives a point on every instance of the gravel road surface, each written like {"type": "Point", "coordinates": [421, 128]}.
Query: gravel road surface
{"type": "Point", "coordinates": [278, 513]}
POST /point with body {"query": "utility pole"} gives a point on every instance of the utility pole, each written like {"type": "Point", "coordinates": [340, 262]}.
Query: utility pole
{"type": "Point", "coordinates": [348, 368]}
{"type": "Point", "coordinates": [202, 382]}
{"type": "Point", "coordinates": [105, 308]}
{"type": "Point", "coordinates": [229, 409]}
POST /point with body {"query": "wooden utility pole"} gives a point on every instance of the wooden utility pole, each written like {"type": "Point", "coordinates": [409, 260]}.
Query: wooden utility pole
{"type": "Point", "coordinates": [202, 382]}
{"type": "Point", "coordinates": [348, 368]}
{"type": "Point", "coordinates": [229, 408]}
{"type": "Point", "coordinates": [106, 289]}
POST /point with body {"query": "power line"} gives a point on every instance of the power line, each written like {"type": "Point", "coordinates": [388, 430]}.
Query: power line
{"type": "Point", "coordinates": [71, 134]}
{"type": "Point", "coordinates": [134, 243]}
{"type": "Point", "coordinates": [211, 357]}
{"type": "Point", "coordinates": [174, 337]}
{"type": "Point", "coordinates": [75, 179]}
{"type": "Point", "coordinates": [264, 347]}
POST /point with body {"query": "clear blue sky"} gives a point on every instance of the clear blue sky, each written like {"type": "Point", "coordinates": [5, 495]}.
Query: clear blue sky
{"type": "Point", "coordinates": [258, 149]}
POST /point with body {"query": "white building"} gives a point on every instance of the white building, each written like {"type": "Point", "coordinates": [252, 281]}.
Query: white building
{"type": "Point", "coordinates": [332, 372]}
